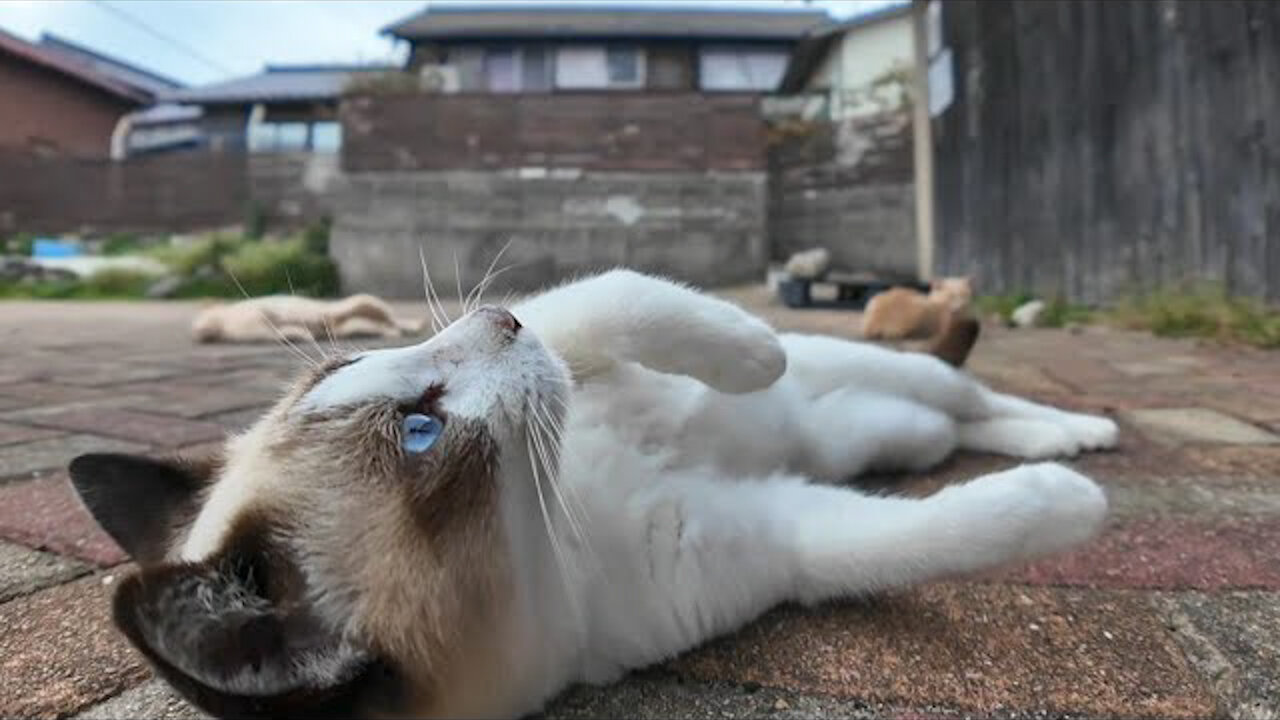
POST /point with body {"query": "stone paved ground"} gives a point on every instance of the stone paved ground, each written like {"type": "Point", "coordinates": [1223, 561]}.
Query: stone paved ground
{"type": "Point", "coordinates": [1174, 612]}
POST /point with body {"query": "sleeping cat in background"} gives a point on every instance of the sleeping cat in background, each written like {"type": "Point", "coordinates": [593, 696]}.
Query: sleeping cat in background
{"type": "Point", "coordinates": [288, 317]}
{"type": "Point", "coordinates": [903, 313]}
{"type": "Point", "coordinates": [610, 473]}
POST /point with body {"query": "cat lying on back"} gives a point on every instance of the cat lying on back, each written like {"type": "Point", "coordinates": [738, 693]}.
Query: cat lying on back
{"type": "Point", "coordinates": [903, 313]}
{"type": "Point", "coordinates": [612, 473]}
{"type": "Point", "coordinates": [299, 318]}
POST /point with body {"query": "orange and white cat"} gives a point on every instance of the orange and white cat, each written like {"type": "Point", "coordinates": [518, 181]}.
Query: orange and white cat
{"type": "Point", "coordinates": [902, 313]}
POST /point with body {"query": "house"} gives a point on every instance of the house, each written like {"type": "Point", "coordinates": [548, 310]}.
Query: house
{"type": "Point", "coordinates": [858, 67]}
{"type": "Point", "coordinates": [161, 126]}
{"type": "Point", "coordinates": [282, 108]}
{"type": "Point", "coordinates": [55, 104]}
{"type": "Point", "coordinates": [557, 48]}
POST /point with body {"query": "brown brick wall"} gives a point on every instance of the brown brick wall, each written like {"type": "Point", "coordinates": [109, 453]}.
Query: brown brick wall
{"type": "Point", "coordinates": [162, 193]}
{"type": "Point", "coordinates": [597, 131]}
{"type": "Point", "coordinates": [42, 108]}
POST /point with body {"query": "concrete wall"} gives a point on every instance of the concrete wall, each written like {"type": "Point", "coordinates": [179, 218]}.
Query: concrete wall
{"type": "Point", "coordinates": [846, 186]}
{"type": "Point", "coordinates": [703, 227]}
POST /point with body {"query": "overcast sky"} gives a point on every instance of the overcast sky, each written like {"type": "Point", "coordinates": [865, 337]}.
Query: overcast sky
{"type": "Point", "coordinates": [201, 41]}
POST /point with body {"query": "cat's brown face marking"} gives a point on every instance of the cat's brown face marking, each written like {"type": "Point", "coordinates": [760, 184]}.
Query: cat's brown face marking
{"type": "Point", "coordinates": [360, 562]}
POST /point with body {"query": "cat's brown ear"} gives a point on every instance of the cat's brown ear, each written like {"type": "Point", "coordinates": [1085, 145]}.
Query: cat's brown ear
{"type": "Point", "coordinates": [140, 501]}
{"type": "Point", "coordinates": [217, 633]}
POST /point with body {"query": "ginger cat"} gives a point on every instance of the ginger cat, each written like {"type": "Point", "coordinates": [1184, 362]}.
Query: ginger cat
{"type": "Point", "coordinates": [902, 313]}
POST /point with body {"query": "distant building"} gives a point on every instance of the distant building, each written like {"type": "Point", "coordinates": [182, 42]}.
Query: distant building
{"type": "Point", "coordinates": [556, 49]}
{"type": "Point", "coordinates": [59, 104]}
{"type": "Point", "coordinates": [157, 128]}
{"type": "Point", "coordinates": [858, 67]}
{"type": "Point", "coordinates": [282, 108]}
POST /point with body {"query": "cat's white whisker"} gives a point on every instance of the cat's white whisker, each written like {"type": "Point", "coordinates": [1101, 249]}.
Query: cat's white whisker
{"type": "Point", "coordinates": [275, 328]}
{"type": "Point", "coordinates": [437, 323]}
{"type": "Point", "coordinates": [473, 298]}
{"type": "Point", "coordinates": [556, 549]}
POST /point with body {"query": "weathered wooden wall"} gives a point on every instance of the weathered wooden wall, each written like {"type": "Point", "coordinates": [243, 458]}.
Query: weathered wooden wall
{"type": "Point", "coordinates": [1103, 148]}
{"type": "Point", "coordinates": [589, 131]}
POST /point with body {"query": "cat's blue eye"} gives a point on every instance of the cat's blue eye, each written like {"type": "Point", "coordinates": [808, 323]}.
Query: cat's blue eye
{"type": "Point", "coordinates": [420, 432]}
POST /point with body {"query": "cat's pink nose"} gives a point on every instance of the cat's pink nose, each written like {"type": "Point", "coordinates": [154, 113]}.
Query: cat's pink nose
{"type": "Point", "coordinates": [501, 317]}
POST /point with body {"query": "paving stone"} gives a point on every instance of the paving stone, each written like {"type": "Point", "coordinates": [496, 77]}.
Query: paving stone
{"type": "Point", "coordinates": [152, 699]}
{"type": "Point", "coordinates": [1199, 496]}
{"type": "Point", "coordinates": [1227, 552]}
{"type": "Point", "coordinates": [1248, 461]}
{"type": "Point", "coordinates": [237, 420]}
{"type": "Point", "coordinates": [119, 373]}
{"type": "Point", "coordinates": [1234, 640]}
{"type": "Point", "coordinates": [1197, 424]}
{"type": "Point", "coordinates": [59, 652]}
{"type": "Point", "coordinates": [46, 514]}
{"type": "Point", "coordinates": [132, 425]}
{"type": "Point", "coordinates": [56, 452]}
{"type": "Point", "coordinates": [47, 393]}
{"type": "Point", "coordinates": [192, 401]}
{"type": "Point", "coordinates": [971, 647]}
{"type": "Point", "coordinates": [11, 434]}
{"type": "Point", "coordinates": [659, 695]}
{"type": "Point", "coordinates": [24, 571]}
{"type": "Point", "coordinates": [11, 403]}
{"type": "Point", "coordinates": [1170, 365]}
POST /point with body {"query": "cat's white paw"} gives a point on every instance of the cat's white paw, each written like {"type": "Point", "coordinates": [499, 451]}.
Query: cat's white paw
{"type": "Point", "coordinates": [739, 355]}
{"type": "Point", "coordinates": [1092, 432]}
{"type": "Point", "coordinates": [1030, 439]}
{"type": "Point", "coordinates": [1067, 508]}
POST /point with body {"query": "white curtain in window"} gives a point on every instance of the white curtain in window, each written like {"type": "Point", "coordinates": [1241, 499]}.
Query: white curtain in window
{"type": "Point", "coordinates": [725, 68]}
{"type": "Point", "coordinates": [581, 67]}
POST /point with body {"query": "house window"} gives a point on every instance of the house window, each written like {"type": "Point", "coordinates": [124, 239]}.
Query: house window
{"type": "Point", "coordinates": [723, 67]}
{"type": "Point", "coordinates": [326, 137]}
{"type": "Point", "coordinates": [293, 136]}
{"type": "Point", "coordinates": [517, 69]}
{"type": "Point", "coordinates": [587, 67]}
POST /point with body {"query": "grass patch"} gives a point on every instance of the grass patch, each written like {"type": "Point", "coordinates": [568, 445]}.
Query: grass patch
{"type": "Point", "coordinates": [216, 265]}
{"type": "Point", "coordinates": [104, 285]}
{"type": "Point", "coordinates": [1201, 311]}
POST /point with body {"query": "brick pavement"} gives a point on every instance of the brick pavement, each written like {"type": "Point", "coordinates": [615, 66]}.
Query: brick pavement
{"type": "Point", "coordinates": [1173, 612]}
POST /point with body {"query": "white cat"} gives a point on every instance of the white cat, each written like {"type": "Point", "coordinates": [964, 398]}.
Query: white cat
{"type": "Point", "coordinates": [467, 526]}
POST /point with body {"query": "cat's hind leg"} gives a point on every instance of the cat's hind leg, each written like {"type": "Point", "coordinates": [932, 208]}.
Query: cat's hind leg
{"type": "Point", "coordinates": [852, 431]}
{"type": "Point", "coordinates": [1014, 426]}
{"type": "Point", "coordinates": [705, 555]}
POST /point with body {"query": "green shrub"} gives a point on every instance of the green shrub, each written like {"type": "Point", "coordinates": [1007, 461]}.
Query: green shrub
{"type": "Point", "coordinates": [316, 236]}
{"type": "Point", "coordinates": [1002, 305]}
{"type": "Point", "coordinates": [102, 285]}
{"type": "Point", "coordinates": [121, 243]}
{"type": "Point", "coordinates": [22, 243]}
{"type": "Point", "coordinates": [284, 266]}
{"type": "Point", "coordinates": [188, 258]}
{"type": "Point", "coordinates": [1202, 310]}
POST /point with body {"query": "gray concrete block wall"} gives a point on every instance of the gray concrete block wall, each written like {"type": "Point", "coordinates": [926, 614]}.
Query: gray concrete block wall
{"type": "Point", "coordinates": [707, 228]}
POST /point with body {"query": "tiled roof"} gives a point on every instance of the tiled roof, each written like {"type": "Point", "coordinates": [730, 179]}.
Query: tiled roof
{"type": "Point", "coordinates": [127, 73]}
{"type": "Point", "coordinates": [277, 83]}
{"type": "Point", "coordinates": [507, 21]}
{"type": "Point", "coordinates": [36, 55]}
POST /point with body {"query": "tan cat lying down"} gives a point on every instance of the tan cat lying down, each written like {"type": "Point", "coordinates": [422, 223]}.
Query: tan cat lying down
{"type": "Point", "coordinates": [902, 313]}
{"type": "Point", "coordinates": [299, 318]}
